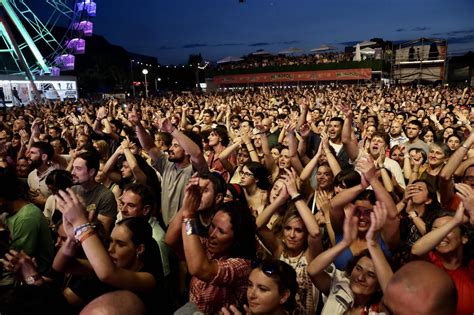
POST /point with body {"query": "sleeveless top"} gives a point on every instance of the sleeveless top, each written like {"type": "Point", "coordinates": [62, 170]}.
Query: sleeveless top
{"type": "Point", "coordinates": [307, 296]}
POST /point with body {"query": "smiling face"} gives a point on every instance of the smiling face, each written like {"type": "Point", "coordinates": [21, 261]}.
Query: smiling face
{"type": "Point", "coordinates": [324, 177]}
{"type": "Point", "coordinates": [221, 235]}
{"type": "Point", "coordinates": [334, 131]}
{"type": "Point", "coordinates": [436, 156]}
{"type": "Point", "coordinates": [451, 242]}
{"type": "Point", "coordinates": [363, 279]}
{"type": "Point", "coordinates": [263, 294]}
{"type": "Point", "coordinates": [428, 137]}
{"type": "Point", "coordinates": [362, 211]}
{"type": "Point", "coordinates": [294, 234]}
{"type": "Point", "coordinates": [276, 189]}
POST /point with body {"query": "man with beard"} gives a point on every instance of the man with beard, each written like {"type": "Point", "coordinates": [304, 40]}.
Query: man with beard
{"type": "Point", "coordinates": [184, 158]}
{"type": "Point", "coordinates": [98, 199]}
{"type": "Point", "coordinates": [396, 134]}
{"type": "Point", "coordinates": [40, 157]}
{"type": "Point", "coordinates": [335, 141]}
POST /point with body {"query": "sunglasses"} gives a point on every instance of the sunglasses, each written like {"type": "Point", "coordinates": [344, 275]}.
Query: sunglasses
{"type": "Point", "coordinates": [268, 267]}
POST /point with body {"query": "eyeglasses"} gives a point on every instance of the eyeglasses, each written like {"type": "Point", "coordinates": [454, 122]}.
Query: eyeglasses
{"type": "Point", "coordinates": [246, 174]}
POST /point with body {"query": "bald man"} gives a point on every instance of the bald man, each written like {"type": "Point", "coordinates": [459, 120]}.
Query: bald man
{"type": "Point", "coordinates": [420, 288]}
{"type": "Point", "coordinates": [115, 303]}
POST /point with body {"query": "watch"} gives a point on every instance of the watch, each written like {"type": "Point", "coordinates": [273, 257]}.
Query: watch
{"type": "Point", "coordinates": [33, 278]}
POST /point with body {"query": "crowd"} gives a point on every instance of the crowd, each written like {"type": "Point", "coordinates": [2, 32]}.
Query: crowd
{"type": "Point", "coordinates": [329, 200]}
{"type": "Point", "coordinates": [267, 60]}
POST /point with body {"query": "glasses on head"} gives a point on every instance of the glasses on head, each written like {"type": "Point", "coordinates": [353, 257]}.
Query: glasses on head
{"type": "Point", "coordinates": [268, 267]}
{"type": "Point", "coordinates": [246, 174]}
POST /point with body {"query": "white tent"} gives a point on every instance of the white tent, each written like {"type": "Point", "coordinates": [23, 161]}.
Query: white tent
{"type": "Point", "coordinates": [323, 48]}
{"type": "Point", "coordinates": [365, 43]}
{"type": "Point", "coordinates": [357, 54]}
{"type": "Point", "coordinates": [229, 59]}
{"type": "Point", "coordinates": [367, 51]}
{"type": "Point", "coordinates": [291, 50]}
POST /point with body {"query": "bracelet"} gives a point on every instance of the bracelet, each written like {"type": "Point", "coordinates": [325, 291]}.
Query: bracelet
{"type": "Point", "coordinates": [190, 226]}
{"type": "Point", "coordinates": [412, 215]}
{"type": "Point", "coordinates": [86, 236]}
{"type": "Point", "coordinates": [296, 198]}
{"type": "Point", "coordinates": [465, 146]}
{"type": "Point", "coordinates": [77, 230]}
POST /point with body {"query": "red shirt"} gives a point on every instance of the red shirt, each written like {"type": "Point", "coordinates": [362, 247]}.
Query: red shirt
{"type": "Point", "coordinates": [229, 286]}
{"type": "Point", "coordinates": [463, 278]}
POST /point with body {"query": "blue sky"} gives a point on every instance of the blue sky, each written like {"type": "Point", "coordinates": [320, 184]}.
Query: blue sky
{"type": "Point", "coordinates": [173, 29]}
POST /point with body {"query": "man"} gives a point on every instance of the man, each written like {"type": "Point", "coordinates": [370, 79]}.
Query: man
{"type": "Point", "coordinates": [377, 150]}
{"type": "Point", "coordinates": [184, 158]}
{"type": "Point", "coordinates": [138, 200]}
{"type": "Point", "coordinates": [40, 156]}
{"type": "Point", "coordinates": [413, 130]}
{"type": "Point", "coordinates": [99, 200]}
{"type": "Point", "coordinates": [420, 288]}
{"type": "Point", "coordinates": [207, 119]}
{"type": "Point", "coordinates": [26, 223]}
{"type": "Point", "coordinates": [335, 140]}
{"type": "Point", "coordinates": [16, 96]}
{"type": "Point", "coordinates": [396, 134]}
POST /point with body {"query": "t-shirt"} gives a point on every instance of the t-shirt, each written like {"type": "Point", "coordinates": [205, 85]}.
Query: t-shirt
{"type": "Point", "coordinates": [36, 182]}
{"type": "Point", "coordinates": [100, 199]}
{"type": "Point", "coordinates": [463, 279]}
{"type": "Point", "coordinates": [172, 186]}
{"type": "Point", "coordinates": [30, 232]}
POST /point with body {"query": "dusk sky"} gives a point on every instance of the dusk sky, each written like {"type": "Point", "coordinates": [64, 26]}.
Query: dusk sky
{"type": "Point", "coordinates": [171, 30]}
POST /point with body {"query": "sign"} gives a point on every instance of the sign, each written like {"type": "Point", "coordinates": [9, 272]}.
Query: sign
{"type": "Point", "coordinates": [299, 76]}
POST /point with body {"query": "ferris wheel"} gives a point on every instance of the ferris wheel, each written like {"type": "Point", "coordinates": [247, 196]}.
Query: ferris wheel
{"type": "Point", "coordinates": [42, 37]}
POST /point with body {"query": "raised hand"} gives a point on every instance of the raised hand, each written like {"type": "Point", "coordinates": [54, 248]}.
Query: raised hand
{"type": "Point", "coordinates": [71, 206]}
{"type": "Point", "coordinates": [102, 112]}
{"type": "Point", "coordinates": [167, 126]}
{"type": "Point", "coordinates": [378, 217]}
{"type": "Point", "coordinates": [350, 227]}
{"type": "Point", "coordinates": [291, 181]}
{"type": "Point", "coordinates": [466, 193]}
{"type": "Point", "coordinates": [367, 168]}
{"type": "Point", "coordinates": [192, 197]}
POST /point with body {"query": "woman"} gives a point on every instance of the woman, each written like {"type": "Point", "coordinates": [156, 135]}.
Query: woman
{"type": "Point", "coordinates": [254, 179]}
{"type": "Point", "coordinates": [396, 154]}
{"type": "Point", "coordinates": [364, 200]}
{"type": "Point", "coordinates": [297, 243]}
{"type": "Point", "coordinates": [132, 261]}
{"type": "Point", "coordinates": [428, 135]}
{"type": "Point", "coordinates": [446, 244]}
{"type": "Point", "coordinates": [219, 264]}
{"type": "Point", "coordinates": [437, 157]}
{"type": "Point", "coordinates": [454, 142]}
{"type": "Point", "coordinates": [272, 289]}
{"type": "Point", "coordinates": [355, 290]}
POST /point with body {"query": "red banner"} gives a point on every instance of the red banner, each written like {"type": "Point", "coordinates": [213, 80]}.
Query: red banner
{"type": "Point", "coordinates": [320, 75]}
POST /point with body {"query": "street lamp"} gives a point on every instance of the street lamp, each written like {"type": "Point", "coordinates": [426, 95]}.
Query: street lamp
{"type": "Point", "coordinates": [145, 72]}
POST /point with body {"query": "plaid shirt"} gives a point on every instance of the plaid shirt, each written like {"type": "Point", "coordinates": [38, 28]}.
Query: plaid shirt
{"type": "Point", "coordinates": [229, 286]}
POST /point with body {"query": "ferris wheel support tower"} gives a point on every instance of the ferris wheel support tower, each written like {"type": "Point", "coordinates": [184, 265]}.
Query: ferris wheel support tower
{"type": "Point", "coordinates": [12, 46]}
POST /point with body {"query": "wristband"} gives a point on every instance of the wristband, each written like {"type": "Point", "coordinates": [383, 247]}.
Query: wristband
{"type": "Point", "coordinates": [82, 230]}
{"type": "Point", "coordinates": [86, 235]}
{"type": "Point", "coordinates": [190, 226]}
{"type": "Point", "coordinates": [412, 214]}
{"type": "Point", "coordinates": [296, 198]}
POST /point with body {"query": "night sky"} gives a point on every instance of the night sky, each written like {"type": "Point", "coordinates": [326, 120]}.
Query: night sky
{"type": "Point", "coordinates": [172, 30]}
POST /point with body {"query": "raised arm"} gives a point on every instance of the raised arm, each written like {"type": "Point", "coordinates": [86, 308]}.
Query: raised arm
{"type": "Point", "coordinates": [191, 148]}
{"type": "Point", "coordinates": [138, 173]}
{"type": "Point", "coordinates": [382, 268]}
{"type": "Point", "coordinates": [146, 140]}
{"type": "Point", "coordinates": [99, 259]}
{"type": "Point", "coordinates": [350, 145]}
{"type": "Point", "coordinates": [431, 239]}
{"type": "Point", "coordinates": [316, 269]}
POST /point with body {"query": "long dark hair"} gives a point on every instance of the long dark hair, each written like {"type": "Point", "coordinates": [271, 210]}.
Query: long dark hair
{"type": "Point", "coordinates": [244, 228]}
{"type": "Point", "coordinates": [143, 234]}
